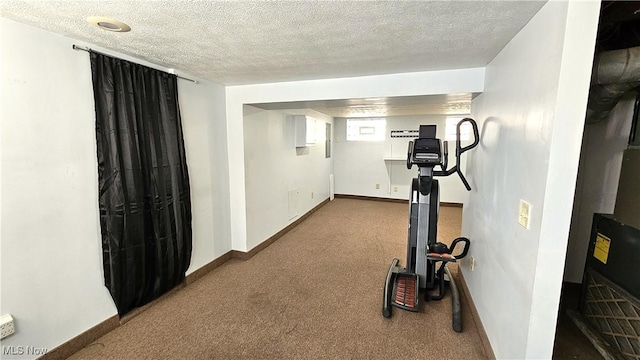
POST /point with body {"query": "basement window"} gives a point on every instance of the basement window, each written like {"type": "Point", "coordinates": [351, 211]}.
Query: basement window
{"type": "Point", "coordinates": [366, 129]}
{"type": "Point", "coordinates": [452, 123]}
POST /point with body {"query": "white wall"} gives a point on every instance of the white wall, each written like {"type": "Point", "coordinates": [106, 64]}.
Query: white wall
{"type": "Point", "coordinates": [422, 83]}
{"type": "Point", "coordinates": [359, 165]}
{"type": "Point", "coordinates": [204, 126]}
{"type": "Point", "coordinates": [274, 166]}
{"type": "Point", "coordinates": [531, 116]}
{"type": "Point", "coordinates": [52, 277]}
{"type": "Point", "coordinates": [598, 175]}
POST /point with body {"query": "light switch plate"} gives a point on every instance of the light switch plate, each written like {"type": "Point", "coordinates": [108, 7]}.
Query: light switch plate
{"type": "Point", "coordinates": [524, 214]}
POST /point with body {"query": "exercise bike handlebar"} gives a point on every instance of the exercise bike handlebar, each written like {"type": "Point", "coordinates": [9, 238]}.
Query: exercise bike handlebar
{"type": "Point", "coordinates": [445, 155]}
{"type": "Point", "coordinates": [431, 155]}
{"type": "Point", "coordinates": [410, 155]}
{"type": "Point", "coordinates": [459, 151]}
{"type": "Point", "coordinates": [476, 135]}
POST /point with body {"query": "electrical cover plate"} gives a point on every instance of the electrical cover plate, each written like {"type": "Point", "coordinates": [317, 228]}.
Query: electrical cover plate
{"type": "Point", "coordinates": [524, 214]}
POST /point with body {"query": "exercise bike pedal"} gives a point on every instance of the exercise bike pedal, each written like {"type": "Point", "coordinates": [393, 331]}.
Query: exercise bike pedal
{"type": "Point", "coordinates": [405, 291]}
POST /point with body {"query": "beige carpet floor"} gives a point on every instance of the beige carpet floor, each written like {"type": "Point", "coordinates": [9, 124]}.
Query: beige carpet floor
{"type": "Point", "coordinates": [313, 294]}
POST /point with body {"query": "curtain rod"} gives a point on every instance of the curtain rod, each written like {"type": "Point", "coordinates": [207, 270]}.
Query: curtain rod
{"type": "Point", "coordinates": [76, 47]}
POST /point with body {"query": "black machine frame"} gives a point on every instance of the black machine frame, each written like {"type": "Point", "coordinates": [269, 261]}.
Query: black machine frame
{"type": "Point", "coordinates": [424, 252]}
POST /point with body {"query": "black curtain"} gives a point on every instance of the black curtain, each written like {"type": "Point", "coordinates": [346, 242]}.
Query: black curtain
{"type": "Point", "coordinates": [145, 205]}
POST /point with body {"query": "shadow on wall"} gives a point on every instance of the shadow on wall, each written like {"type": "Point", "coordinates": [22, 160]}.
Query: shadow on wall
{"type": "Point", "coordinates": [489, 134]}
{"type": "Point", "coordinates": [302, 151]}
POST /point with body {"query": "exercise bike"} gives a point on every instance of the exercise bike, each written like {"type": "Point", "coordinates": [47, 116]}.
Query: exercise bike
{"type": "Point", "coordinates": [427, 259]}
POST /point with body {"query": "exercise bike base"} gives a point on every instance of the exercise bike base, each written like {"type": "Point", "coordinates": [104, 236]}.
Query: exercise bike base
{"type": "Point", "coordinates": [390, 293]}
{"type": "Point", "coordinates": [456, 318]}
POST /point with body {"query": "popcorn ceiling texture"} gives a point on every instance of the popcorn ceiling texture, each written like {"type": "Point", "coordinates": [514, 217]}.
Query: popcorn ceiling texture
{"type": "Point", "coordinates": [259, 42]}
{"type": "Point", "coordinates": [449, 104]}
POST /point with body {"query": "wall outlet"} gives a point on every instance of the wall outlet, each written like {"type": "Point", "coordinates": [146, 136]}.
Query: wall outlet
{"type": "Point", "coordinates": [377, 186]}
{"type": "Point", "coordinates": [6, 326]}
{"type": "Point", "coordinates": [524, 214]}
{"type": "Point", "coordinates": [395, 189]}
{"type": "Point", "coordinates": [472, 263]}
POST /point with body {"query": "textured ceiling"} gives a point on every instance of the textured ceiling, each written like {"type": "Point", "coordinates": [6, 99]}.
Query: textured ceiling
{"type": "Point", "coordinates": [451, 104]}
{"type": "Point", "coordinates": [257, 42]}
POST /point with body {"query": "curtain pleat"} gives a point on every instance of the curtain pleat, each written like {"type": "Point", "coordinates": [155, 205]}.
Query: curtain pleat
{"type": "Point", "coordinates": [144, 194]}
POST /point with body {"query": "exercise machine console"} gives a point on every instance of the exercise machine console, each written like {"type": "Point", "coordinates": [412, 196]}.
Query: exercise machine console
{"type": "Point", "coordinates": [426, 268]}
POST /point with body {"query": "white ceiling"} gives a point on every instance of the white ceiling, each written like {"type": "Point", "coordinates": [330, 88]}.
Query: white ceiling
{"type": "Point", "coordinates": [249, 42]}
{"type": "Point", "coordinates": [450, 104]}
